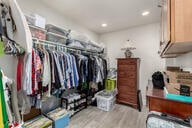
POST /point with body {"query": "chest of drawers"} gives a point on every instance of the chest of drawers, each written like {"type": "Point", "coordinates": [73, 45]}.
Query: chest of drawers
{"type": "Point", "coordinates": [128, 81]}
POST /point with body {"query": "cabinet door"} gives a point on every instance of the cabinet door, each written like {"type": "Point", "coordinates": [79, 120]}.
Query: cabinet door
{"type": "Point", "coordinates": [165, 25]}
{"type": "Point", "coordinates": [182, 11]}
{"type": "Point", "coordinates": [166, 19]}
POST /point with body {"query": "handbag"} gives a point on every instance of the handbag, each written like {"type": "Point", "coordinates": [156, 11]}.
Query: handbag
{"type": "Point", "coordinates": [158, 80]}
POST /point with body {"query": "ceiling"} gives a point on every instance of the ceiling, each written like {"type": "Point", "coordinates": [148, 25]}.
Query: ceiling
{"type": "Point", "coordinates": [118, 14]}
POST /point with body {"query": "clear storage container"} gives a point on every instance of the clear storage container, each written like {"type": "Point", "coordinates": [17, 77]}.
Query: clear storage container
{"type": "Point", "coordinates": [105, 101]}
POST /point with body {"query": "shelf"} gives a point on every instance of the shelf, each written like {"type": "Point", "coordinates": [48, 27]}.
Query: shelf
{"type": "Point", "coordinates": [64, 37]}
{"type": "Point", "coordinates": [63, 45]}
{"type": "Point", "coordinates": [80, 105]}
{"type": "Point", "coordinates": [78, 111]}
{"type": "Point", "coordinates": [51, 33]}
{"type": "Point", "coordinates": [75, 100]}
{"type": "Point", "coordinates": [35, 27]}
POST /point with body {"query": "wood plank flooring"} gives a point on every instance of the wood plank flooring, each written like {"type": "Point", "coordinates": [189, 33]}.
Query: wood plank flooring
{"type": "Point", "coordinates": [120, 117]}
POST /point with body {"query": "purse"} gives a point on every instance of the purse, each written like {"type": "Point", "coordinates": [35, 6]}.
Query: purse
{"type": "Point", "coordinates": [158, 80]}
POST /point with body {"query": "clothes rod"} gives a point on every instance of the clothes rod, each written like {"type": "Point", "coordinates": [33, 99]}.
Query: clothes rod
{"type": "Point", "coordinates": [45, 42]}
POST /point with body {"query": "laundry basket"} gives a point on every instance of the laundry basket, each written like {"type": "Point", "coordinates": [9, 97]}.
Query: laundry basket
{"type": "Point", "coordinates": [105, 102]}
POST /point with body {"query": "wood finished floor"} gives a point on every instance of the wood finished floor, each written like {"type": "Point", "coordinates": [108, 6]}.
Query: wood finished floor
{"type": "Point", "coordinates": [120, 117]}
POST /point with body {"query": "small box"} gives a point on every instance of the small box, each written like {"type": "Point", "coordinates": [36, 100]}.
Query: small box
{"type": "Point", "coordinates": [110, 84]}
{"type": "Point", "coordinates": [174, 69]}
{"type": "Point", "coordinates": [56, 38]}
{"type": "Point", "coordinates": [105, 100]}
{"type": "Point", "coordinates": [60, 118]}
{"type": "Point", "coordinates": [39, 21]}
{"type": "Point", "coordinates": [57, 30]}
{"type": "Point", "coordinates": [37, 32]}
{"type": "Point", "coordinates": [38, 122]}
{"type": "Point", "coordinates": [36, 20]}
{"type": "Point", "coordinates": [30, 19]}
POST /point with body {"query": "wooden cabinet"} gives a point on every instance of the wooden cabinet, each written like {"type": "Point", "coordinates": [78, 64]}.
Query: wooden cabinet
{"type": "Point", "coordinates": [128, 81]}
{"type": "Point", "coordinates": [176, 27]}
{"type": "Point", "coordinates": [158, 102]}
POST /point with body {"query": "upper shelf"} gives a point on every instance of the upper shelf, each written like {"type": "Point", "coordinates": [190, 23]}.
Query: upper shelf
{"type": "Point", "coordinates": [35, 27]}
{"type": "Point", "coordinates": [45, 42]}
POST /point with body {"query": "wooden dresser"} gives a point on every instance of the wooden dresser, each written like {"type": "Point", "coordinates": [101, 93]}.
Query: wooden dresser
{"type": "Point", "coordinates": [128, 81]}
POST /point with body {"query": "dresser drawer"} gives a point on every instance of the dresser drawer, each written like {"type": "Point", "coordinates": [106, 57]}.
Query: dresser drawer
{"type": "Point", "coordinates": [126, 82]}
{"type": "Point", "coordinates": [127, 62]}
{"type": "Point", "coordinates": [127, 74]}
{"type": "Point", "coordinates": [127, 67]}
{"type": "Point", "coordinates": [127, 98]}
{"type": "Point", "coordinates": [127, 90]}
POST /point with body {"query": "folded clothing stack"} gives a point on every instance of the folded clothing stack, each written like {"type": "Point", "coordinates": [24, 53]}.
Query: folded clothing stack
{"type": "Point", "coordinates": [39, 122]}
{"type": "Point", "coordinates": [60, 118]}
{"type": "Point", "coordinates": [57, 113]}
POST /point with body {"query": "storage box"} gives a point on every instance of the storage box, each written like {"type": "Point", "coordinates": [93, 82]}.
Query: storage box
{"type": "Point", "coordinates": [30, 19]}
{"type": "Point", "coordinates": [60, 118]}
{"type": "Point", "coordinates": [57, 30]}
{"type": "Point", "coordinates": [39, 21]}
{"type": "Point", "coordinates": [38, 122]}
{"type": "Point", "coordinates": [180, 77]}
{"type": "Point", "coordinates": [36, 20]}
{"type": "Point", "coordinates": [174, 88]}
{"type": "Point", "coordinates": [56, 38]}
{"type": "Point", "coordinates": [110, 84]}
{"type": "Point", "coordinates": [174, 69]}
{"type": "Point", "coordinates": [37, 32]}
{"type": "Point", "coordinates": [105, 102]}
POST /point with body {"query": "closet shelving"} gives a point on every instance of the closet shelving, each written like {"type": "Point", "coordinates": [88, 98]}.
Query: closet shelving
{"type": "Point", "coordinates": [74, 106]}
{"type": "Point", "coordinates": [35, 27]}
{"type": "Point", "coordinates": [51, 33]}
{"type": "Point", "coordinates": [45, 42]}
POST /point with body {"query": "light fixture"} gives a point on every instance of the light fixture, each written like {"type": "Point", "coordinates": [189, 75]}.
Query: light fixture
{"type": "Point", "coordinates": [145, 13]}
{"type": "Point", "coordinates": [104, 25]}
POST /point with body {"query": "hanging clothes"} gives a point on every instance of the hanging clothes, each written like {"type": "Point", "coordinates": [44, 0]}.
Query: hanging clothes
{"type": "Point", "coordinates": [53, 71]}
{"type": "Point", "coordinates": [1, 113]}
{"type": "Point", "coordinates": [3, 107]}
{"type": "Point", "coordinates": [27, 75]}
{"type": "Point", "coordinates": [19, 72]}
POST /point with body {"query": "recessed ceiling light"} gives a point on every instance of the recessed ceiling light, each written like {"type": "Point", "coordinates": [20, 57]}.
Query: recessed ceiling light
{"type": "Point", "coordinates": [145, 13]}
{"type": "Point", "coordinates": [104, 25]}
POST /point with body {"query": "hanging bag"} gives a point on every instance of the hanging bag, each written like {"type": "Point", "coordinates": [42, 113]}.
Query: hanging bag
{"type": "Point", "coordinates": [7, 28]}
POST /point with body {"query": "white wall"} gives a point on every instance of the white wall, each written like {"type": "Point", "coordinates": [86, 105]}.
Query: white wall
{"type": "Point", "coordinates": [53, 17]}
{"type": "Point", "coordinates": [146, 40]}
{"type": "Point", "coordinates": [183, 61]}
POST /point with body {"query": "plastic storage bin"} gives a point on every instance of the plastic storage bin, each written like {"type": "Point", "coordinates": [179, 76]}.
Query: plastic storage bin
{"type": "Point", "coordinates": [57, 30]}
{"type": "Point", "coordinates": [105, 101]}
{"type": "Point", "coordinates": [30, 19]}
{"type": "Point", "coordinates": [37, 32]}
{"type": "Point", "coordinates": [60, 118]}
{"type": "Point", "coordinates": [38, 122]}
{"type": "Point", "coordinates": [110, 84]}
{"type": "Point", "coordinates": [36, 20]}
{"type": "Point", "coordinates": [56, 38]}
